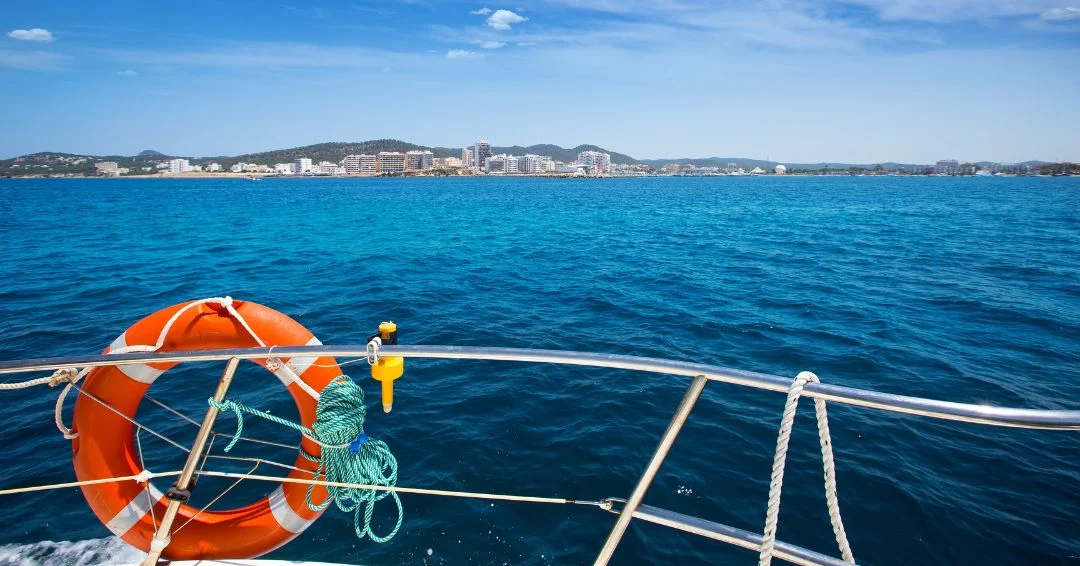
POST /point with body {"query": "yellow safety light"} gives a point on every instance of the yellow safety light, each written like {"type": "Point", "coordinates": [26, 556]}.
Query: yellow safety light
{"type": "Point", "coordinates": [386, 370]}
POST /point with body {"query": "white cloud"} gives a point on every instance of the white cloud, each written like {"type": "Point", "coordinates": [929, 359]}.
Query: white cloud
{"type": "Point", "coordinates": [127, 73]}
{"type": "Point", "coordinates": [1061, 14]}
{"type": "Point", "coordinates": [503, 19]}
{"type": "Point", "coordinates": [492, 44]}
{"type": "Point", "coordinates": [481, 12]}
{"type": "Point", "coordinates": [462, 54]}
{"type": "Point", "coordinates": [37, 34]}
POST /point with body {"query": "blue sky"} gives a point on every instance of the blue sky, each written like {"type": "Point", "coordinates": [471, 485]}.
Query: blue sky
{"type": "Point", "coordinates": [790, 80]}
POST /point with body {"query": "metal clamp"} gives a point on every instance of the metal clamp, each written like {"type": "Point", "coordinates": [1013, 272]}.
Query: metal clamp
{"type": "Point", "coordinates": [373, 350]}
{"type": "Point", "coordinates": [177, 494]}
{"type": "Point", "coordinates": [608, 504]}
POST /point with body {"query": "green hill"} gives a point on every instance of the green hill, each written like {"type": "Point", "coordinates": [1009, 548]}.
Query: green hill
{"type": "Point", "coordinates": [562, 154]}
{"type": "Point", "coordinates": [330, 151]}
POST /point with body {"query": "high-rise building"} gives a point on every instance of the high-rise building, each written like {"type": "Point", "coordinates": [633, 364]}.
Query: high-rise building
{"type": "Point", "coordinates": [481, 152]}
{"type": "Point", "coordinates": [501, 163]}
{"type": "Point", "coordinates": [417, 160]}
{"type": "Point", "coordinates": [531, 163]}
{"type": "Point", "coordinates": [302, 166]}
{"type": "Point", "coordinates": [369, 164]}
{"type": "Point", "coordinates": [467, 157]}
{"type": "Point", "coordinates": [390, 162]}
{"type": "Point", "coordinates": [947, 167]}
{"type": "Point", "coordinates": [595, 162]}
{"type": "Point", "coordinates": [351, 163]}
{"type": "Point", "coordinates": [359, 164]}
{"type": "Point", "coordinates": [179, 166]}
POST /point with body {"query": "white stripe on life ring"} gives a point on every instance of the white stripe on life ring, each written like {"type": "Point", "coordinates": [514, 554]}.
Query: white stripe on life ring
{"type": "Point", "coordinates": [300, 364]}
{"type": "Point", "coordinates": [139, 372]}
{"type": "Point", "coordinates": [285, 515]}
{"type": "Point", "coordinates": [135, 510]}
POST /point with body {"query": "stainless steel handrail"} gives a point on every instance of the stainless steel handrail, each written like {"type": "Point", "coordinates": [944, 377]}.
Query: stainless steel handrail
{"type": "Point", "coordinates": [965, 412]}
{"type": "Point", "coordinates": [999, 416]}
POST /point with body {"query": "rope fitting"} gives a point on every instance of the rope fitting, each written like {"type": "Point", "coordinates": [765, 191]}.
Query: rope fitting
{"type": "Point", "coordinates": [176, 494]}
{"type": "Point", "coordinates": [63, 375]}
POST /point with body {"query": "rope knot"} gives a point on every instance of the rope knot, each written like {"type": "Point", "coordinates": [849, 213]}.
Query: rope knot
{"type": "Point", "coordinates": [63, 375]}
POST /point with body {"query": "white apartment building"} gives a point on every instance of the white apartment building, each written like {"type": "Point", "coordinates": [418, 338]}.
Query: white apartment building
{"type": "Point", "coordinates": [106, 167]}
{"type": "Point", "coordinates": [481, 152]}
{"type": "Point", "coordinates": [283, 168]}
{"type": "Point", "coordinates": [595, 162]}
{"type": "Point", "coordinates": [417, 160]}
{"type": "Point", "coordinates": [947, 167]}
{"type": "Point", "coordinates": [351, 163]}
{"type": "Point", "coordinates": [390, 162]}
{"type": "Point", "coordinates": [213, 167]}
{"type": "Point", "coordinates": [467, 157]}
{"type": "Point", "coordinates": [531, 164]}
{"type": "Point", "coordinates": [179, 166]}
{"type": "Point", "coordinates": [369, 164]}
{"type": "Point", "coordinates": [302, 166]}
{"type": "Point", "coordinates": [447, 163]}
{"type": "Point", "coordinates": [328, 168]}
{"type": "Point", "coordinates": [501, 163]}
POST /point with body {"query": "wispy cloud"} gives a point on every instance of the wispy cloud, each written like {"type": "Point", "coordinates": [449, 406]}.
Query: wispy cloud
{"type": "Point", "coordinates": [30, 60]}
{"type": "Point", "coordinates": [36, 34]}
{"type": "Point", "coordinates": [492, 44]}
{"type": "Point", "coordinates": [462, 54]}
{"type": "Point", "coordinates": [481, 11]}
{"type": "Point", "coordinates": [127, 73]}
{"type": "Point", "coordinates": [1061, 14]}
{"type": "Point", "coordinates": [504, 19]}
{"type": "Point", "coordinates": [256, 56]}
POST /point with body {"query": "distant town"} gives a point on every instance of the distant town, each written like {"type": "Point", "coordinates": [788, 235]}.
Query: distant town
{"type": "Point", "coordinates": [477, 159]}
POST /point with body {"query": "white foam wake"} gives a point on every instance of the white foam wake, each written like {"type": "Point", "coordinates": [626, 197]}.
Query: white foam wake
{"type": "Point", "coordinates": [110, 550]}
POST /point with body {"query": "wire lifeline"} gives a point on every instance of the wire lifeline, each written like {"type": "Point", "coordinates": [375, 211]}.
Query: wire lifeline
{"type": "Point", "coordinates": [776, 482]}
{"type": "Point", "coordinates": [347, 455]}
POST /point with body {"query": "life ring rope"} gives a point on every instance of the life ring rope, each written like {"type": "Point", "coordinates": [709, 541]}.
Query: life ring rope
{"type": "Point", "coordinates": [225, 302]}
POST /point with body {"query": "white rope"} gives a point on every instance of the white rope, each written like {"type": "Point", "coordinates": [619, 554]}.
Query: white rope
{"type": "Point", "coordinates": [141, 477]}
{"type": "Point", "coordinates": [145, 475]}
{"type": "Point", "coordinates": [72, 378]}
{"type": "Point", "coordinates": [776, 482]}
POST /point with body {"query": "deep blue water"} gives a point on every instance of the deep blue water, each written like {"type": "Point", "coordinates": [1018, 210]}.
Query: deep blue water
{"type": "Point", "coordinates": [958, 289]}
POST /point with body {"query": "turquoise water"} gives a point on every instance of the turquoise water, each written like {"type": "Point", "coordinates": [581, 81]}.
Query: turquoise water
{"type": "Point", "coordinates": [958, 289]}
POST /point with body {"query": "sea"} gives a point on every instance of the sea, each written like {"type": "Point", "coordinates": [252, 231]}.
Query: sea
{"type": "Point", "coordinates": [960, 289]}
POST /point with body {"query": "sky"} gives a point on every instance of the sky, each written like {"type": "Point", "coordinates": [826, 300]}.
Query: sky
{"type": "Point", "coordinates": [863, 81]}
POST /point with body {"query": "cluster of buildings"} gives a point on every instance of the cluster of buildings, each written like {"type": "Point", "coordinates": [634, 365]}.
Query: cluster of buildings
{"type": "Point", "coordinates": [732, 169]}
{"type": "Point", "coordinates": [480, 159]}
{"type": "Point", "coordinates": [475, 159]}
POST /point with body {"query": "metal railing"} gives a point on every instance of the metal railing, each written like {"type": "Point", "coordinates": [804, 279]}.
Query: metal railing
{"type": "Point", "coordinates": [701, 374]}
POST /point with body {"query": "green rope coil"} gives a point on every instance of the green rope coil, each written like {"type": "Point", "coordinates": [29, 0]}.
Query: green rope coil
{"type": "Point", "coordinates": [347, 455]}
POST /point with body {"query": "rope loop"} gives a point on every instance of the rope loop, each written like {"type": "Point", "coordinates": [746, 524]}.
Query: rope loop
{"type": "Point", "coordinates": [776, 482]}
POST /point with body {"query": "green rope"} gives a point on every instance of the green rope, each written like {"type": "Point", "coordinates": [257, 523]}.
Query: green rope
{"type": "Point", "coordinates": [347, 455]}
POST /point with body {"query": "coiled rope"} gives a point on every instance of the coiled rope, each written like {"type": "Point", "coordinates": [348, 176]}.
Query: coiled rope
{"type": "Point", "coordinates": [776, 482]}
{"type": "Point", "coordinates": [347, 455]}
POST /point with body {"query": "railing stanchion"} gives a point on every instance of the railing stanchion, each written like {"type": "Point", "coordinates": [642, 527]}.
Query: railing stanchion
{"type": "Point", "coordinates": [183, 483]}
{"type": "Point", "coordinates": [673, 428]}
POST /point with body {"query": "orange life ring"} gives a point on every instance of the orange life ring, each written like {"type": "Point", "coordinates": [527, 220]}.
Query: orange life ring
{"type": "Point", "coordinates": [105, 448]}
